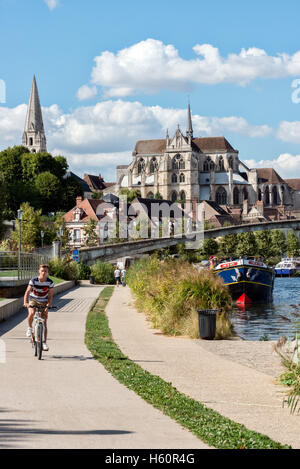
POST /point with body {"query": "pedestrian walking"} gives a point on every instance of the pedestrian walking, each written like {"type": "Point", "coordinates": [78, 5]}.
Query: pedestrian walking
{"type": "Point", "coordinates": [117, 274]}
{"type": "Point", "coordinates": [123, 279]}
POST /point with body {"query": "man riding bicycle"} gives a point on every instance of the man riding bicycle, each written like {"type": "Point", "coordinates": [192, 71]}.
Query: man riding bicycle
{"type": "Point", "coordinates": [39, 294]}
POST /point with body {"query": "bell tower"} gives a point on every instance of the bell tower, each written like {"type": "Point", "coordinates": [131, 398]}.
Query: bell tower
{"type": "Point", "coordinates": [34, 134]}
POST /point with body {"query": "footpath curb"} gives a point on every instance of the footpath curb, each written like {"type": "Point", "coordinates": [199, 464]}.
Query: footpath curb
{"type": "Point", "coordinates": [10, 307]}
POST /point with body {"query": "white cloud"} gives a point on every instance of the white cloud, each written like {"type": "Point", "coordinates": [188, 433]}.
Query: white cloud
{"type": "Point", "coordinates": [86, 92]}
{"type": "Point", "coordinates": [104, 135]}
{"type": "Point", "coordinates": [52, 4]}
{"type": "Point", "coordinates": [287, 165]}
{"type": "Point", "coordinates": [150, 66]}
{"type": "Point", "coordinates": [289, 131]}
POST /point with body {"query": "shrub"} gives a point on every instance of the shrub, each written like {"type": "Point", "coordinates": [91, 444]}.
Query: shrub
{"type": "Point", "coordinates": [64, 268]}
{"type": "Point", "coordinates": [103, 272]}
{"type": "Point", "coordinates": [170, 292]}
{"type": "Point", "coordinates": [84, 271]}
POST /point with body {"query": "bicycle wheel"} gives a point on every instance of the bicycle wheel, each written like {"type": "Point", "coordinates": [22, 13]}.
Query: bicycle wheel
{"type": "Point", "coordinates": [39, 338]}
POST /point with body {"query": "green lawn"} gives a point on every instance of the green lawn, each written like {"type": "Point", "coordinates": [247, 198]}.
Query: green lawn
{"type": "Point", "coordinates": [9, 273]}
{"type": "Point", "coordinates": [56, 281]}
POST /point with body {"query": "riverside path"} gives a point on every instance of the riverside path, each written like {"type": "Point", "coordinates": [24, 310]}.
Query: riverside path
{"type": "Point", "coordinates": [68, 400]}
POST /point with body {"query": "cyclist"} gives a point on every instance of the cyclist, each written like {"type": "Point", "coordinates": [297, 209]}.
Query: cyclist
{"type": "Point", "coordinates": [39, 293]}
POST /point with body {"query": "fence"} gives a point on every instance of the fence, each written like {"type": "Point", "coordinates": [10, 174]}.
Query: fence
{"type": "Point", "coordinates": [27, 267]}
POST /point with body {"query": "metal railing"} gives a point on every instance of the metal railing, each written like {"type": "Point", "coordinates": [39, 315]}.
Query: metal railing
{"type": "Point", "coordinates": [23, 269]}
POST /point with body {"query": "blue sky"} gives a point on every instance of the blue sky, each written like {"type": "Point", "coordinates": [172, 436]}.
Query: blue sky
{"type": "Point", "coordinates": [151, 56]}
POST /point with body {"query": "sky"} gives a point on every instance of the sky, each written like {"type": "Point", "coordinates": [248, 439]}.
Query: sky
{"type": "Point", "coordinates": [112, 73]}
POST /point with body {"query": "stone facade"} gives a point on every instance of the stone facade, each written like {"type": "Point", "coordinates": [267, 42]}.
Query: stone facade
{"type": "Point", "coordinates": [190, 169]}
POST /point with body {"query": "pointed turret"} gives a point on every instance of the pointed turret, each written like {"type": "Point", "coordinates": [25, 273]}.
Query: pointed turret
{"type": "Point", "coordinates": [34, 135]}
{"type": "Point", "coordinates": [189, 126]}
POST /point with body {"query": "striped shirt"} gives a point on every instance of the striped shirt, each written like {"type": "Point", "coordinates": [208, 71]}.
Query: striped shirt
{"type": "Point", "coordinates": [40, 290]}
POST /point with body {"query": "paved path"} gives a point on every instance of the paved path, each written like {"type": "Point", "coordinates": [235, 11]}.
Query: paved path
{"type": "Point", "coordinates": [198, 369]}
{"type": "Point", "coordinates": [68, 400]}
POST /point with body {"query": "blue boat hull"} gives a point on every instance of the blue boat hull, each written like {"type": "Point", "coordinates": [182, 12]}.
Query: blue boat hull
{"type": "Point", "coordinates": [285, 272]}
{"type": "Point", "coordinates": [254, 284]}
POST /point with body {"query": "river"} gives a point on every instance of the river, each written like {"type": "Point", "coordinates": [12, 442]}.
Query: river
{"type": "Point", "coordinates": [273, 320]}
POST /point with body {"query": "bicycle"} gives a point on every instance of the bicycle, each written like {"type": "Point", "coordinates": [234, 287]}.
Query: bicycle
{"type": "Point", "coordinates": [38, 329]}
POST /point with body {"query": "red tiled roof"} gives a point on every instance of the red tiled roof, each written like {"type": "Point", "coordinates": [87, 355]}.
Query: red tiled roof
{"type": "Point", "coordinates": [88, 206]}
{"type": "Point", "coordinates": [270, 175]}
{"type": "Point", "coordinates": [205, 145]}
{"type": "Point", "coordinates": [293, 183]}
{"type": "Point", "coordinates": [96, 183]}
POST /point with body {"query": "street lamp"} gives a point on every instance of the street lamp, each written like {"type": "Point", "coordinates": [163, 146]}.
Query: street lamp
{"type": "Point", "coordinates": [20, 214]}
{"type": "Point", "coordinates": [42, 236]}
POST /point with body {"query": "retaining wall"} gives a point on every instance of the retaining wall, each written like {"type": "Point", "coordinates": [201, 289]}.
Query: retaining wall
{"type": "Point", "coordinates": [10, 307]}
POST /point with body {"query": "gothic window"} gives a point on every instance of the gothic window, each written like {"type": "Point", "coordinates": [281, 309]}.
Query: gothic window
{"type": "Point", "coordinates": [174, 196]}
{"type": "Point", "coordinates": [221, 164]}
{"type": "Point", "coordinates": [211, 166]}
{"type": "Point", "coordinates": [182, 196]}
{"type": "Point", "coordinates": [141, 166]}
{"type": "Point", "coordinates": [181, 178]}
{"type": "Point", "coordinates": [150, 195]}
{"type": "Point", "coordinates": [181, 164]}
{"type": "Point", "coordinates": [230, 162]}
{"type": "Point", "coordinates": [174, 178]}
{"type": "Point", "coordinates": [245, 194]}
{"type": "Point", "coordinates": [178, 162]}
{"type": "Point", "coordinates": [259, 195]}
{"type": "Point", "coordinates": [236, 196]}
{"type": "Point", "coordinates": [267, 196]}
{"type": "Point", "coordinates": [30, 141]}
{"type": "Point", "coordinates": [206, 165]}
{"type": "Point", "coordinates": [153, 165]}
{"type": "Point", "coordinates": [275, 195]}
{"type": "Point", "coordinates": [221, 196]}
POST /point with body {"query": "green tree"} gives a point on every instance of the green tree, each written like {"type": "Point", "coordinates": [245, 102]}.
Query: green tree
{"type": "Point", "coordinates": [210, 247]}
{"type": "Point", "coordinates": [90, 233]}
{"type": "Point", "coordinates": [292, 244]}
{"type": "Point", "coordinates": [246, 245]}
{"type": "Point", "coordinates": [71, 189]}
{"type": "Point", "coordinates": [50, 190]}
{"type": "Point", "coordinates": [97, 195]}
{"type": "Point", "coordinates": [130, 194]}
{"type": "Point", "coordinates": [228, 244]}
{"type": "Point", "coordinates": [263, 243]}
{"type": "Point", "coordinates": [278, 243]}
{"type": "Point", "coordinates": [10, 163]}
{"type": "Point", "coordinates": [158, 196]}
{"type": "Point", "coordinates": [31, 227]}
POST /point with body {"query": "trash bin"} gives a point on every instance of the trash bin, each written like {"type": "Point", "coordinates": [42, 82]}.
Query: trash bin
{"type": "Point", "coordinates": [207, 323]}
{"type": "Point", "coordinates": [92, 279]}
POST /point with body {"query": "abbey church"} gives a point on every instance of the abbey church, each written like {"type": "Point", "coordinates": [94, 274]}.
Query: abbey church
{"type": "Point", "coordinates": [187, 168]}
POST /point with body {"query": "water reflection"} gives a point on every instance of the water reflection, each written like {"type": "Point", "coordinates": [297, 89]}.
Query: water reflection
{"type": "Point", "coordinates": [281, 317]}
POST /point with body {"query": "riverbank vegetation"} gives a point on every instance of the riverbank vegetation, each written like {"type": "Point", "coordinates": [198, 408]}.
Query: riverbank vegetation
{"type": "Point", "coordinates": [171, 291]}
{"type": "Point", "coordinates": [290, 358]}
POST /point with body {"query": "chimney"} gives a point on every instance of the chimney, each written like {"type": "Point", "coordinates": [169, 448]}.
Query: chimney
{"type": "Point", "coordinates": [260, 207]}
{"type": "Point", "coordinates": [78, 201]}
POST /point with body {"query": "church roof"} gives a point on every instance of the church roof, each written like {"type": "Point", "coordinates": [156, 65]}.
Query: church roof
{"type": "Point", "coordinates": [34, 118]}
{"type": "Point", "coordinates": [293, 183]}
{"type": "Point", "coordinates": [205, 145]}
{"type": "Point", "coordinates": [269, 175]}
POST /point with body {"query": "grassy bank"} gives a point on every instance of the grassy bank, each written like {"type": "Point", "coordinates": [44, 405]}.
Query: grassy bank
{"type": "Point", "coordinates": [171, 291]}
{"type": "Point", "coordinates": [211, 427]}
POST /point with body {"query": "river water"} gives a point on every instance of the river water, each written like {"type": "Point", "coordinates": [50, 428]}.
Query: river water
{"type": "Point", "coordinates": [273, 320]}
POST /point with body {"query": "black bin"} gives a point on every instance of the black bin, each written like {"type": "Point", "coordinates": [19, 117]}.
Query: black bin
{"type": "Point", "coordinates": [92, 279]}
{"type": "Point", "coordinates": [207, 323]}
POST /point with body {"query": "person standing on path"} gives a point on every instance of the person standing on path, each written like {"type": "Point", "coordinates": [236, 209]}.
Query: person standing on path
{"type": "Point", "coordinates": [123, 274]}
{"type": "Point", "coordinates": [117, 274]}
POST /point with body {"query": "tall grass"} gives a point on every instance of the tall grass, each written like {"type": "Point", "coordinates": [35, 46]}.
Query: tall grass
{"type": "Point", "coordinates": [171, 291]}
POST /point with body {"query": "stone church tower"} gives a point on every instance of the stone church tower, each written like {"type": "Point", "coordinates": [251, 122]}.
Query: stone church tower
{"type": "Point", "coordinates": [34, 134]}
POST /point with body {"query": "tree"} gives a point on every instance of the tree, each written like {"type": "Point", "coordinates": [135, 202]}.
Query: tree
{"type": "Point", "coordinates": [158, 196]}
{"type": "Point", "coordinates": [90, 233]}
{"type": "Point", "coordinates": [292, 244]}
{"type": "Point", "coordinates": [50, 191]}
{"type": "Point", "coordinates": [97, 195]}
{"type": "Point", "coordinates": [278, 243]}
{"type": "Point", "coordinates": [10, 163]}
{"type": "Point", "coordinates": [210, 247]}
{"type": "Point", "coordinates": [228, 244]}
{"type": "Point", "coordinates": [71, 189]}
{"type": "Point", "coordinates": [263, 243]}
{"type": "Point", "coordinates": [31, 227]}
{"type": "Point", "coordinates": [246, 244]}
{"type": "Point", "coordinates": [130, 194]}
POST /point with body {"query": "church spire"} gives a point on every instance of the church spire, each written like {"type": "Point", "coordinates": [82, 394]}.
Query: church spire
{"type": "Point", "coordinates": [189, 126]}
{"type": "Point", "coordinates": [34, 135]}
